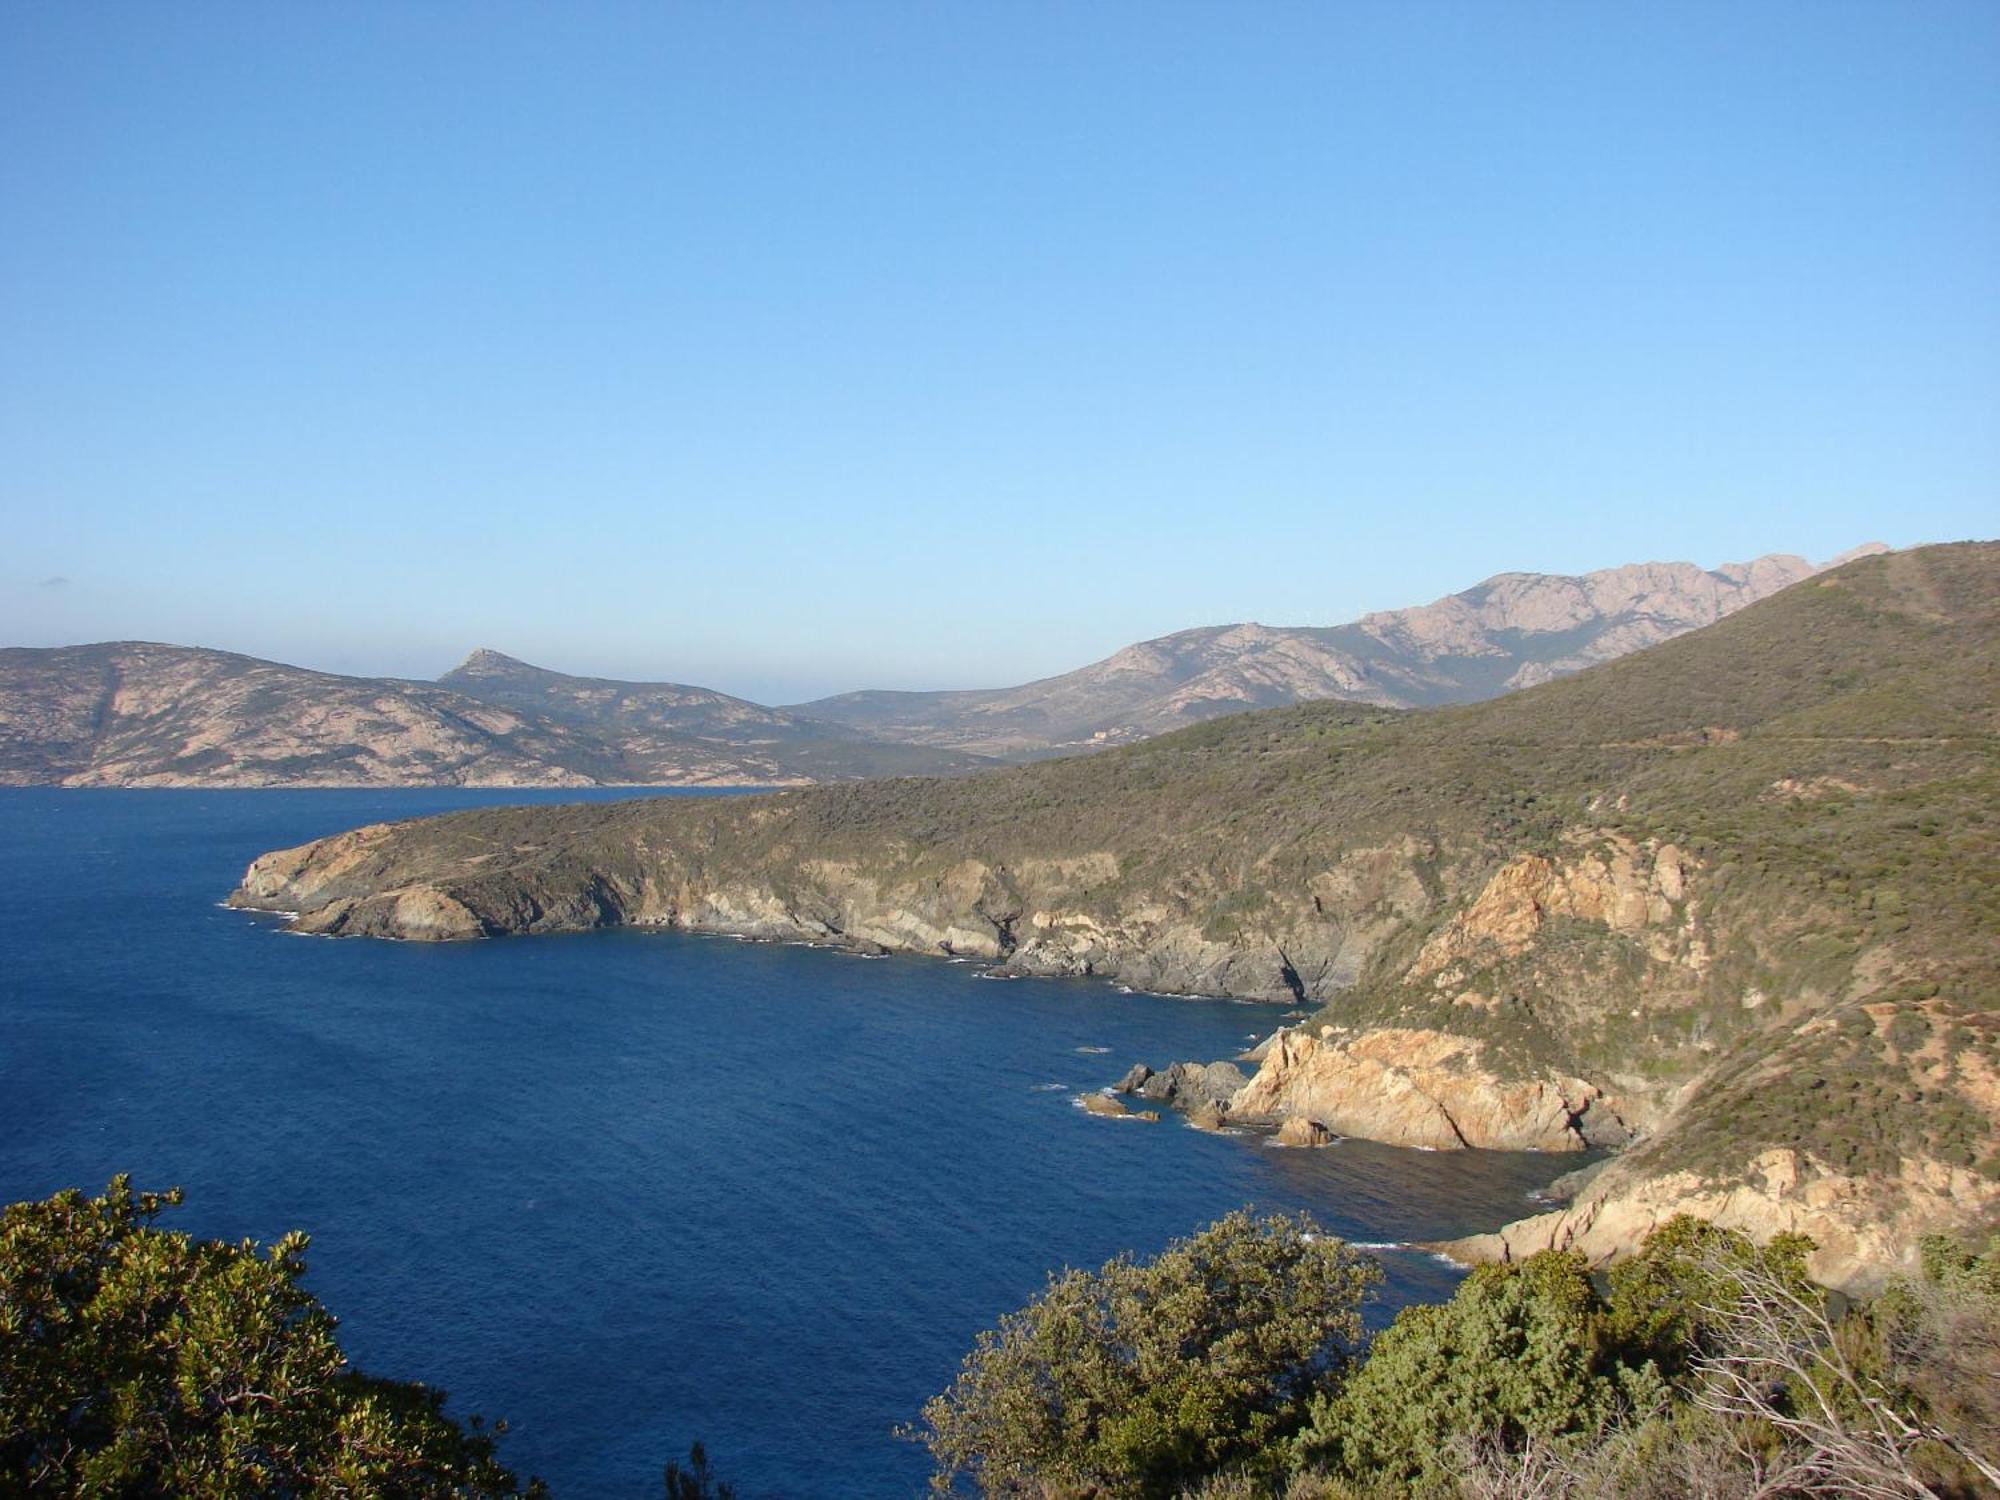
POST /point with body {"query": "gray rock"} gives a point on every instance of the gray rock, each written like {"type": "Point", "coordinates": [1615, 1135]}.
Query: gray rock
{"type": "Point", "coordinates": [1133, 1081]}
{"type": "Point", "coordinates": [1185, 1085]}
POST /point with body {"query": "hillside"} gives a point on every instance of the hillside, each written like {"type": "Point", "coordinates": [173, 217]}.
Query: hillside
{"type": "Point", "coordinates": [144, 714]}
{"type": "Point", "coordinates": [1731, 900]}
{"type": "Point", "coordinates": [655, 720]}
{"type": "Point", "coordinates": [1512, 631]}
{"type": "Point", "coordinates": [141, 714]}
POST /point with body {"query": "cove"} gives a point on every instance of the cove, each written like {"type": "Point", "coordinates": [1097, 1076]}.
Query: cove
{"type": "Point", "coordinates": [625, 1189]}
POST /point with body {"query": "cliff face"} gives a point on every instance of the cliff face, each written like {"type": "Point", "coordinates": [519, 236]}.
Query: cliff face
{"type": "Point", "coordinates": [1727, 897]}
{"type": "Point", "coordinates": [1513, 630]}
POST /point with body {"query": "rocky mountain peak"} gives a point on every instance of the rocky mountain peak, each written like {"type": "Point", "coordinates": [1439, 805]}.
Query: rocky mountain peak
{"type": "Point", "coordinates": [484, 662]}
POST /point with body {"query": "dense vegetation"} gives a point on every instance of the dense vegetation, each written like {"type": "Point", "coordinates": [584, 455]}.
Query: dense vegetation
{"type": "Point", "coordinates": [1705, 1366]}
{"type": "Point", "coordinates": [137, 1361]}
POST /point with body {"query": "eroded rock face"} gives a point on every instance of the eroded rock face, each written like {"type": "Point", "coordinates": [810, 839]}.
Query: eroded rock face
{"type": "Point", "coordinates": [1607, 879]}
{"type": "Point", "coordinates": [1415, 1088]}
{"type": "Point", "coordinates": [1864, 1228]}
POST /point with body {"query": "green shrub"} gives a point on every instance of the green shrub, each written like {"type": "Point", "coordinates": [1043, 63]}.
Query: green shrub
{"type": "Point", "coordinates": [139, 1361]}
{"type": "Point", "coordinates": [1141, 1378]}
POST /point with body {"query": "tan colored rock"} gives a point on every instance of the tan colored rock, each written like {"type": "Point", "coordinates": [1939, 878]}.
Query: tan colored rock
{"type": "Point", "coordinates": [1207, 1117]}
{"type": "Point", "coordinates": [1104, 1105]}
{"type": "Point", "coordinates": [1298, 1131]}
{"type": "Point", "coordinates": [1413, 1088]}
{"type": "Point", "coordinates": [1864, 1228]}
{"type": "Point", "coordinates": [425, 913]}
{"type": "Point", "coordinates": [1610, 880]}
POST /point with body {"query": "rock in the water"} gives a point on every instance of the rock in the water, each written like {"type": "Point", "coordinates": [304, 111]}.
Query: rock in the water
{"type": "Point", "coordinates": [1104, 1104]}
{"type": "Point", "coordinates": [1207, 1117]}
{"type": "Point", "coordinates": [1299, 1131]}
{"type": "Point", "coordinates": [1187, 1085]}
{"type": "Point", "coordinates": [1133, 1081]}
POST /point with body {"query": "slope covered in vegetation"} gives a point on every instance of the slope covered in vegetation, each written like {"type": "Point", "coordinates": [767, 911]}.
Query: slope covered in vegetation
{"type": "Point", "coordinates": [1733, 897]}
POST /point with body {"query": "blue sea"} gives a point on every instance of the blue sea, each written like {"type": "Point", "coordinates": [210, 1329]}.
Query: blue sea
{"type": "Point", "coordinates": [625, 1190]}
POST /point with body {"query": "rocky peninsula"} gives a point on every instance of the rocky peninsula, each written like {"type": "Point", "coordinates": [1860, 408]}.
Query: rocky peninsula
{"type": "Point", "coordinates": [1727, 903]}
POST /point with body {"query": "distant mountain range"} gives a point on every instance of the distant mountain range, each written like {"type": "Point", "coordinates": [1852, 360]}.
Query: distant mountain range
{"type": "Point", "coordinates": [143, 714]}
{"type": "Point", "coordinates": [1512, 631]}
{"type": "Point", "coordinates": [138, 714]}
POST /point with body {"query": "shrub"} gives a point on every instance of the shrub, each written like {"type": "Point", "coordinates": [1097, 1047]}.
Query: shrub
{"type": "Point", "coordinates": [1141, 1378]}
{"type": "Point", "coordinates": [139, 1361]}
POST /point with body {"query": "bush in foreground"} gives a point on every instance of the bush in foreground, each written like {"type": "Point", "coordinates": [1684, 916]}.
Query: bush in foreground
{"type": "Point", "coordinates": [141, 1361]}
{"type": "Point", "coordinates": [1142, 1377]}
{"type": "Point", "coordinates": [1704, 1366]}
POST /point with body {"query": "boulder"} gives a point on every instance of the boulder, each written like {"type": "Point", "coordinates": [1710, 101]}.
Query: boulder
{"type": "Point", "coordinates": [1299, 1131]}
{"type": "Point", "coordinates": [1133, 1081]}
{"type": "Point", "coordinates": [1208, 1117]}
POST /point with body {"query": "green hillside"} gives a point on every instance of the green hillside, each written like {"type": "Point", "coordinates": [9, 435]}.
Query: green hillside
{"type": "Point", "coordinates": [1743, 883]}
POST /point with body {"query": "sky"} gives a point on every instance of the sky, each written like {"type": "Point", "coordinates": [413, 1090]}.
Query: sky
{"type": "Point", "coordinates": [794, 348]}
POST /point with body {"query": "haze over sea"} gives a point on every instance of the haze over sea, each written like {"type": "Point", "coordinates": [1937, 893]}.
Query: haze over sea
{"type": "Point", "coordinates": [624, 1189]}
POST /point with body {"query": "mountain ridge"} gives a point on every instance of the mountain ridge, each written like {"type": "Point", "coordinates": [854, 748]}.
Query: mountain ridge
{"type": "Point", "coordinates": [141, 713]}
{"type": "Point", "coordinates": [153, 714]}
{"type": "Point", "coordinates": [1509, 631]}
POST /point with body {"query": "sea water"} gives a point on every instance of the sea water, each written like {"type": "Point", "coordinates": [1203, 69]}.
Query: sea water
{"type": "Point", "coordinates": [625, 1190]}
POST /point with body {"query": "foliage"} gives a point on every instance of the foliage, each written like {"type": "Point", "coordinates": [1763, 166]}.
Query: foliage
{"type": "Point", "coordinates": [1520, 1354]}
{"type": "Point", "coordinates": [140, 1361]}
{"type": "Point", "coordinates": [1663, 1303]}
{"type": "Point", "coordinates": [697, 1481]}
{"type": "Point", "coordinates": [1705, 1366]}
{"type": "Point", "coordinates": [1142, 1377]}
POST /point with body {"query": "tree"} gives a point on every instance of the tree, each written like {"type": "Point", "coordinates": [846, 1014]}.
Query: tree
{"type": "Point", "coordinates": [1665, 1302]}
{"type": "Point", "coordinates": [140, 1361]}
{"type": "Point", "coordinates": [1519, 1357]}
{"type": "Point", "coordinates": [697, 1481]}
{"type": "Point", "coordinates": [1140, 1378]}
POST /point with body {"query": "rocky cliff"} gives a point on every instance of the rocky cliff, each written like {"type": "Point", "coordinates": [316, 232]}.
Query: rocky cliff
{"type": "Point", "coordinates": [1730, 896]}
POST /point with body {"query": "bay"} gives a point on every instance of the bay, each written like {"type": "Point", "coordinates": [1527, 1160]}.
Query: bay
{"type": "Point", "coordinates": [623, 1189]}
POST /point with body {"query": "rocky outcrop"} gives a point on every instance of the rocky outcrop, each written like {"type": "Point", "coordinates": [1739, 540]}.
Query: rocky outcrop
{"type": "Point", "coordinates": [1299, 1131]}
{"type": "Point", "coordinates": [1185, 1086]}
{"type": "Point", "coordinates": [1606, 878]}
{"type": "Point", "coordinates": [1864, 1228]}
{"type": "Point", "coordinates": [1421, 1088]}
{"type": "Point", "coordinates": [1549, 922]}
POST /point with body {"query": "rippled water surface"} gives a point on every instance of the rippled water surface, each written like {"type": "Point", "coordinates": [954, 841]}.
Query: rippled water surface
{"type": "Point", "coordinates": [622, 1189]}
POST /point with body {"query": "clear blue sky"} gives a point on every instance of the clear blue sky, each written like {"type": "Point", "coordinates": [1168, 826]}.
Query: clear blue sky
{"type": "Point", "coordinates": [792, 348]}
